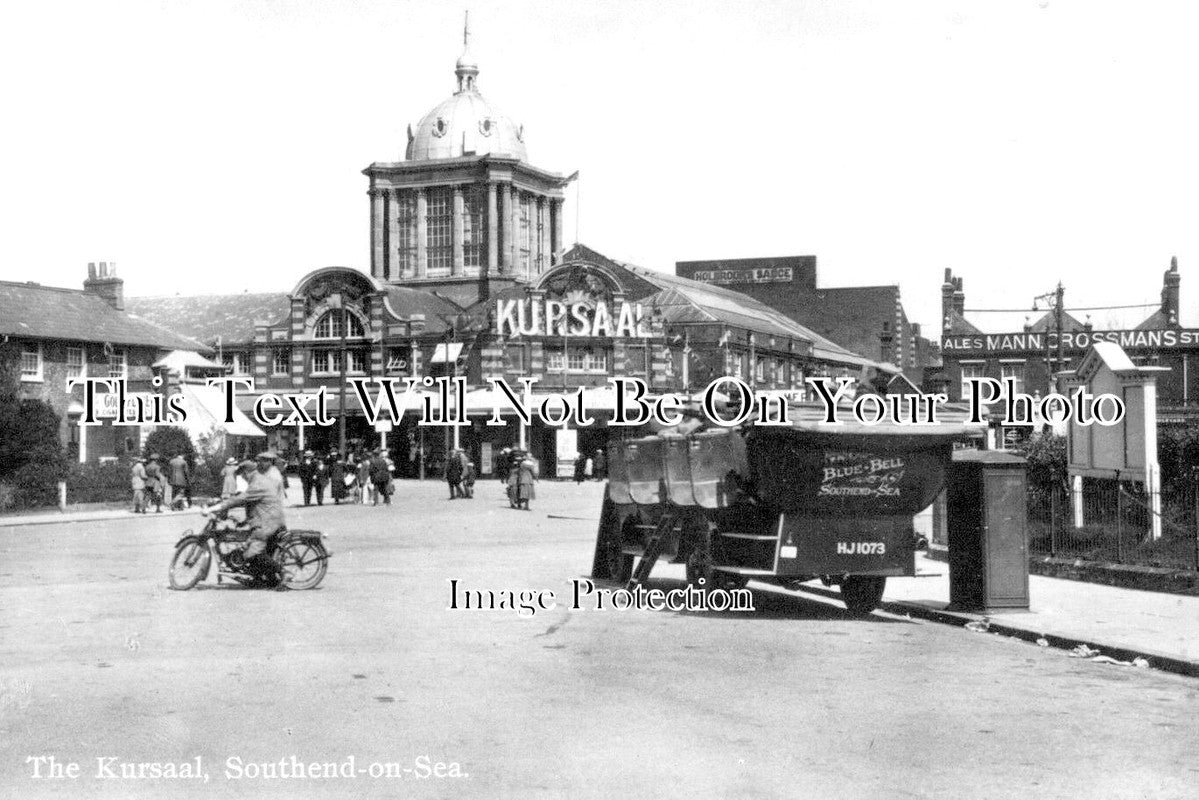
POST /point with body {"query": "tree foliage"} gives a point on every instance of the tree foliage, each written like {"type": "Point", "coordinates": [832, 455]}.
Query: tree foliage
{"type": "Point", "coordinates": [168, 442]}
{"type": "Point", "coordinates": [1046, 460]}
{"type": "Point", "coordinates": [32, 461]}
{"type": "Point", "coordinates": [1178, 455]}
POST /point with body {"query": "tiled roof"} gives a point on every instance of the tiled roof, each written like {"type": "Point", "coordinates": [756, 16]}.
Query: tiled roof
{"type": "Point", "coordinates": [45, 312]}
{"type": "Point", "coordinates": [694, 301]}
{"type": "Point", "coordinates": [732, 308]}
{"type": "Point", "coordinates": [404, 302]}
{"type": "Point", "coordinates": [205, 317]}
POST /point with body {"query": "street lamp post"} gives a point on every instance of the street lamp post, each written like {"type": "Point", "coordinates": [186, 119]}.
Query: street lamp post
{"type": "Point", "coordinates": [341, 399]}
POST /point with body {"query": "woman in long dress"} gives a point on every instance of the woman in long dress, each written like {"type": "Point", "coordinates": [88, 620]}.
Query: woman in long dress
{"type": "Point", "coordinates": [526, 476]}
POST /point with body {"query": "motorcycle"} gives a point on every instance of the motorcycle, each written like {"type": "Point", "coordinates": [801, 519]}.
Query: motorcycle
{"type": "Point", "coordinates": [300, 556]}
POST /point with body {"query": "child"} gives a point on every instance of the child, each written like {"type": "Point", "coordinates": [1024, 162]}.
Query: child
{"type": "Point", "coordinates": [468, 479]}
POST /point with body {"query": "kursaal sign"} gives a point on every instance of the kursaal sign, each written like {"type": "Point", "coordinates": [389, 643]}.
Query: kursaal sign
{"type": "Point", "coordinates": [543, 317]}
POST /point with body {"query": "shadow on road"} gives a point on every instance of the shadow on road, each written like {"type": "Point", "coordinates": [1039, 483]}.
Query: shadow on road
{"type": "Point", "coordinates": [770, 603]}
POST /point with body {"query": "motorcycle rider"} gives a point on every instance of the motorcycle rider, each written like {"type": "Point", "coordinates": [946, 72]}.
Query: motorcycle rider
{"type": "Point", "coordinates": [263, 499]}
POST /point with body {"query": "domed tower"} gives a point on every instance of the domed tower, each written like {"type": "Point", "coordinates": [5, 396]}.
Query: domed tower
{"type": "Point", "coordinates": [464, 212]}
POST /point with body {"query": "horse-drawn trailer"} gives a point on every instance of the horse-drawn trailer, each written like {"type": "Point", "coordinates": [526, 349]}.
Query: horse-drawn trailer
{"type": "Point", "coordinates": [781, 505]}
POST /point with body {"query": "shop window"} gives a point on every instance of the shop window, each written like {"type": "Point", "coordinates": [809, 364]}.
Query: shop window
{"type": "Point", "coordinates": [580, 359]}
{"type": "Point", "coordinates": [759, 370]}
{"type": "Point", "coordinates": [780, 373]}
{"type": "Point", "coordinates": [31, 362]}
{"type": "Point", "coordinates": [576, 359]}
{"type": "Point", "coordinates": [328, 362]}
{"type": "Point", "coordinates": [1015, 372]}
{"type": "Point", "coordinates": [636, 360]}
{"type": "Point", "coordinates": [399, 361]}
{"type": "Point", "coordinates": [76, 363]}
{"type": "Point", "coordinates": [439, 231]}
{"type": "Point", "coordinates": [514, 359]}
{"type": "Point", "coordinates": [969, 371]}
{"type": "Point", "coordinates": [118, 366]}
{"type": "Point", "coordinates": [237, 362]}
{"type": "Point", "coordinates": [555, 359]}
{"type": "Point", "coordinates": [280, 361]}
{"type": "Point", "coordinates": [332, 323]}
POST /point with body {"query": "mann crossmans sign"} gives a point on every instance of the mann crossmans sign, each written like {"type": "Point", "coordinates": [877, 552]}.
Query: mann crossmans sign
{"type": "Point", "coordinates": [1016, 342]}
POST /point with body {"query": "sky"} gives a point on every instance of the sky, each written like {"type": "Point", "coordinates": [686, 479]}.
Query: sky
{"type": "Point", "coordinates": [213, 146]}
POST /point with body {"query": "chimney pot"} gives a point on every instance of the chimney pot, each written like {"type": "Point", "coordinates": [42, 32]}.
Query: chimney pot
{"type": "Point", "coordinates": [103, 282]}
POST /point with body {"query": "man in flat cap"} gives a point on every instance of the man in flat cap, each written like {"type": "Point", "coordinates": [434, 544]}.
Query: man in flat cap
{"type": "Point", "coordinates": [263, 500]}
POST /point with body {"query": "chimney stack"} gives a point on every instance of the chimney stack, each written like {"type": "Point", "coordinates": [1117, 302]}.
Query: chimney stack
{"type": "Point", "coordinates": [947, 298]}
{"type": "Point", "coordinates": [103, 282]}
{"type": "Point", "coordinates": [1170, 292]}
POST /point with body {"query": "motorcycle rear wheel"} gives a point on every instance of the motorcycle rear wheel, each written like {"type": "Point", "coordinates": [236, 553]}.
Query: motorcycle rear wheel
{"type": "Point", "coordinates": [189, 565]}
{"type": "Point", "coordinates": [302, 564]}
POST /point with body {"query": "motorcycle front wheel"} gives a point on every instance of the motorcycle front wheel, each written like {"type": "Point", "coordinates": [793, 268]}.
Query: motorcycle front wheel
{"type": "Point", "coordinates": [302, 564]}
{"type": "Point", "coordinates": [189, 565]}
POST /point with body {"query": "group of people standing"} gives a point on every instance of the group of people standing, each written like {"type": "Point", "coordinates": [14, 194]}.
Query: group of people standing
{"type": "Point", "coordinates": [591, 466]}
{"type": "Point", "coordinates": [460, 474]}
{"type": "Point", "coordinates": [154, 483]}
{"type": "Point", "coordinates": [519, 470]}
{"type": "Point", "coordinates": [364, 477]}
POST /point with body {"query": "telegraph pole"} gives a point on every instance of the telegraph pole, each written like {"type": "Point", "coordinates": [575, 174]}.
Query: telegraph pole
{"type": "Point", "coordinates": [1059, 311]}
{"type": "Point", "coordinates": [341, 400]}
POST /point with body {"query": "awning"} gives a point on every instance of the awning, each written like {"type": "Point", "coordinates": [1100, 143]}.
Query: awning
{"type": "Point", "coordinates": [210, 402]}
{"type": "Point", "coordinates": [446, 353]}
{"type": "Point", "coordinates": [178, 360]}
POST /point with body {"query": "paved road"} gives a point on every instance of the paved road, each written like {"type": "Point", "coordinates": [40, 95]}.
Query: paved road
{"type": "Point", "coordinates": [98, 659]}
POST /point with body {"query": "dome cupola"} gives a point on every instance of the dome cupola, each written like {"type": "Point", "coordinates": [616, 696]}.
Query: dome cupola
{"type": "Point", "coordinates": [465, 124]}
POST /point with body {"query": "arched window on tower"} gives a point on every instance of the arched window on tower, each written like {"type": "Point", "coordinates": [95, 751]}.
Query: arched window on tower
{"type": "Point", "coordinates": [333, 323]}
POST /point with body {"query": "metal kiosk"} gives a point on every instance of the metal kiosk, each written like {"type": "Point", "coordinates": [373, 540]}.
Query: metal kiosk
{"type": "Point", "coordinates": [988, 540]}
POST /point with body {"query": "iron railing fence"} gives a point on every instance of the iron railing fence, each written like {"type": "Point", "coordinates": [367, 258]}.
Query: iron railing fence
{"type": "Point", "coordinates": [1112, 522]}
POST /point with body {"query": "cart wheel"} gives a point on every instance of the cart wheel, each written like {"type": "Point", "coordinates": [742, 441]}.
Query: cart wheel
{"type": "Point", "coordinates": [713, 578]}
{"type": "Point", "coordinates": [620, 565]}
{"type": "Point", "coordinates": [700, 564]}
{"type": "Point", "coordinates": [862, 593]}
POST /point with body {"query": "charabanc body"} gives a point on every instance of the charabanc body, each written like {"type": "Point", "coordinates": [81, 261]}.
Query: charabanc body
{"type": "Point", "coordinates": [780, 504]}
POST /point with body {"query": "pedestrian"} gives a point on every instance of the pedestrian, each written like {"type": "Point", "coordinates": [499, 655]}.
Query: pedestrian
{"type": "Point", "coordinates": [588, 468]}
{"type": "Point", "coordinates": [468, 479]}
{"type": "Point", "coordinates": [137, 479]}
{"type": "Point", "coordinates": [526, 476]}
{"type": "Point", "coordinates": [181, 481]}
{"type": "Point", "coordinates": [580, 467]}
{"type": "Point", "coordinates": [278, 474]}
{"type": "Point", "coordinates": [601, 465]}
{"type": "Point", "coordinates": [307, 471]}
{"type": "Point", "coordinates": [364, 480]}
{"type": "Point", "coordinates": [502, 464]}
{"type": "Point", "coordinates": [380, 478]}
{"type": "Point", "coordinates": [319, 480]}
{"type": "Point", "coordinates": [229, 478]}
{"type": "Point", "coordinates": [337, 477]}
{"type": "Point", "coordinates": [155, 481]}
{"type": "Point", "coordinates": [453, 473]}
